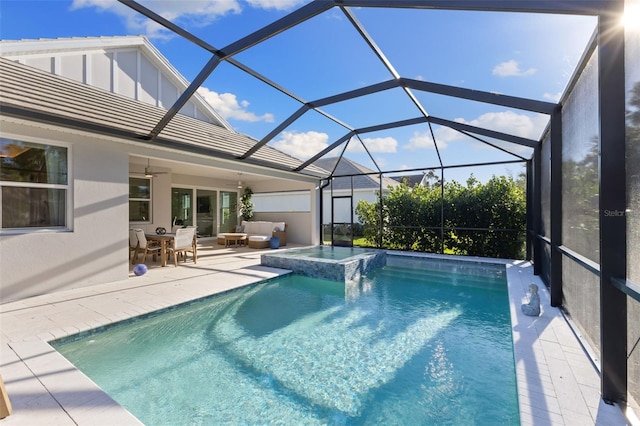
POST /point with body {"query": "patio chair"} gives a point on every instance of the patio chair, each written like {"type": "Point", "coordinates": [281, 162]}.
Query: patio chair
{"type": "Point", "coordinates": [145, 247]}
{"type": "Point", "coordinates": [184, 242]}
{"type": "Point", "coordinates": [133, 242]}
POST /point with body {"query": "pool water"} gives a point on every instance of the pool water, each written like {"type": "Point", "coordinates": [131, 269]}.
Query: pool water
{"type": "Point", "coordinates": [327, 252]}
{"type": "Point", "coordinates": [408, 344]}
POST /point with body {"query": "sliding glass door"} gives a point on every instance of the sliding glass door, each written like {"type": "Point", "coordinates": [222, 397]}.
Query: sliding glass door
{"type": "Point", "coordinates": [204, 208]}
{"type": "Point", "coordinates": [228, 211]}
{"type": "Point", "coordinates": [181, 207]}
{"type": "Point", "coordinates": [206, 211]}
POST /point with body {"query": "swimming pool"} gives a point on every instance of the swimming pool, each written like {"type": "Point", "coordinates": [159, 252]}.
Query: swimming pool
{"type": "Point", "coordinates": [409, 343]}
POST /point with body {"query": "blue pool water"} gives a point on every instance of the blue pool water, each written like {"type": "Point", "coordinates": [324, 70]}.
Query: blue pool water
{"type": "Point", "coordinates": [412, 343]}
{"type": "Point", "coordinates": [327, 252]}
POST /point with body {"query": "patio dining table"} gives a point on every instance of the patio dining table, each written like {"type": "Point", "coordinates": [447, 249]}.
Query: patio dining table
{"type": "Point", "coordinates": [165, 240]}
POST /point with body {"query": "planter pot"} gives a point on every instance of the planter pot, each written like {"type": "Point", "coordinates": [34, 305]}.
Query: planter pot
{"type": "Point", "coordinates": [274, 242]}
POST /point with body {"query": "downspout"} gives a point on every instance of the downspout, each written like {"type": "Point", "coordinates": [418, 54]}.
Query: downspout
{"type": "Point", "coordinates": [321, 188]}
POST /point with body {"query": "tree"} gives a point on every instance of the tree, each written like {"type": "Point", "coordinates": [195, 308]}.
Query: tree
{"type": "Point", "coordinates": [430, 179]}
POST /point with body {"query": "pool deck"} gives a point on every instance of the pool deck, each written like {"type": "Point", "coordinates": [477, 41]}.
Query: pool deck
{"type": "Point", "coordinates": [557, 383]}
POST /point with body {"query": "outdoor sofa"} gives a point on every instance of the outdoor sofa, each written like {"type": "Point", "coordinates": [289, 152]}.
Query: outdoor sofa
{"type": "Point", "coordinates": [259, 233]}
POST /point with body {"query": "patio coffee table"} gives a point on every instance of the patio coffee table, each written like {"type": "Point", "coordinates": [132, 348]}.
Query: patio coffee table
{"type": "Point", "coordinates": [237, 238]}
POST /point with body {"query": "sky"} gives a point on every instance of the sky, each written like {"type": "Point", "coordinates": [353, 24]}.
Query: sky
{"type": "Point", "coordinates": [526, 55]}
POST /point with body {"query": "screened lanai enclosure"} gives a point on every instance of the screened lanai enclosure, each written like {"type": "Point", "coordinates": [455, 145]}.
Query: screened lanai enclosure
{"type": "Point", "coordinates": [397, 114]}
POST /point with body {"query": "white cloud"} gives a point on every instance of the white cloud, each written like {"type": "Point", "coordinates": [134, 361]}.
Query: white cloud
{"type": "Point", "coordinates": [387, 145]}
{"type": "Point", "coordinates": [447, 134]}
{"type": "Point", "coordinates": [423, 140]}
{"type": "Point", "coordinates": [227, 105]}
{"type": "Point", "coordinates": [554, 97]}
{"type": "Point", "coordinates": [511, 68]}
{"type": "Point", "coordinates": [274, 4]}
{"type": "Point", "coordinates": [509, 122]}
{"type": "Point", "coordinates": [302, 145]}
{"type": "Point", "coordinates": [185, 13]}
{"type": "Point", "coordinates": [506, 122]}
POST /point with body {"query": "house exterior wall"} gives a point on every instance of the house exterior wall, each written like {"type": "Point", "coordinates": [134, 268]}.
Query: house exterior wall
{"type": "Point", "coordinates": [161, 203]}
{"type": "Point", "coordinates": [99, 73]}
{"type": "Point", "coordinates": [299, 225]}
{"type": "Point", "coordinates": [301, 228]}
{"type": "Point", "coordinates": [94, 248]}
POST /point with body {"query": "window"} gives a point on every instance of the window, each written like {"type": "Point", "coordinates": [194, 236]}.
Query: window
{"type": "Point", "coordinates": [182, 206]}
{"type": "Point", "coordinates": [35, 185]}
{"type": "Point", "coordinates": [139, 199]}
{"type": "Point", "coordinates": [291, 201]}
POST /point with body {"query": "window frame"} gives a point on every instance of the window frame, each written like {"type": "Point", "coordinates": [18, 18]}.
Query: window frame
{"type": "Point", "coordinates": [150, 200]}
{"type": "Point", "coordinates": [68, 187]}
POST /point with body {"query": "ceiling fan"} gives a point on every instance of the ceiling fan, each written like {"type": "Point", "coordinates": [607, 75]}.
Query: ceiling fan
{"type": "Point", "coordinates": [149, 173]}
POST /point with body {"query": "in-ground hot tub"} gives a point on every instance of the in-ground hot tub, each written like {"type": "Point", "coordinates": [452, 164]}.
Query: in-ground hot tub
{"type": "Point", "coordinates": [332, 263]}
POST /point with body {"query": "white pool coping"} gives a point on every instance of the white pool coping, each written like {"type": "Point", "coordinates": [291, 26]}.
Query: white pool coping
{"type": "Point", "coordinates": [557, 383]}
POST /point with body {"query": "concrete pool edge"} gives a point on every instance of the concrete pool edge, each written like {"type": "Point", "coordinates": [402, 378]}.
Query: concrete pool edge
{"type": "Point", "coordinates": [541, 347]}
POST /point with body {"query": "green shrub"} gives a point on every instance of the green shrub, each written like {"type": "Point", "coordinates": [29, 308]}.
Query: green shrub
{"type": "Point", "coordinates": [412, 218]}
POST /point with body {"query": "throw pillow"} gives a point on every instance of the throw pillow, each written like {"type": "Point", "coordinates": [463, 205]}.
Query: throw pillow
{"type": "Point", "coordinates": [239, 228]}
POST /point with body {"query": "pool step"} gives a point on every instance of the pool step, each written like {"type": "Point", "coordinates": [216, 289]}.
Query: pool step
{"type": "Point", "coordinates": [424, 276]}
{"type": "Point", "coordinates": [437, 273]}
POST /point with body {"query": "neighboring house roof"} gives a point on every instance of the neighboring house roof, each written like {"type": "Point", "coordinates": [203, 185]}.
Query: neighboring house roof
{"type": "Point", "coordinates": [113, 64]}
{"type": "Point", "coordinates": [363, 177]}
{"type": "Point", "coordinates": [31, 94]}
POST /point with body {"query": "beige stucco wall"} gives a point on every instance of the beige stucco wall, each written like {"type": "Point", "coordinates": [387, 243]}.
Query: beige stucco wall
{"type": "Point", "coordinates": [94, 249]}
{"type": "Point", "coordinates": [299, 225]}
